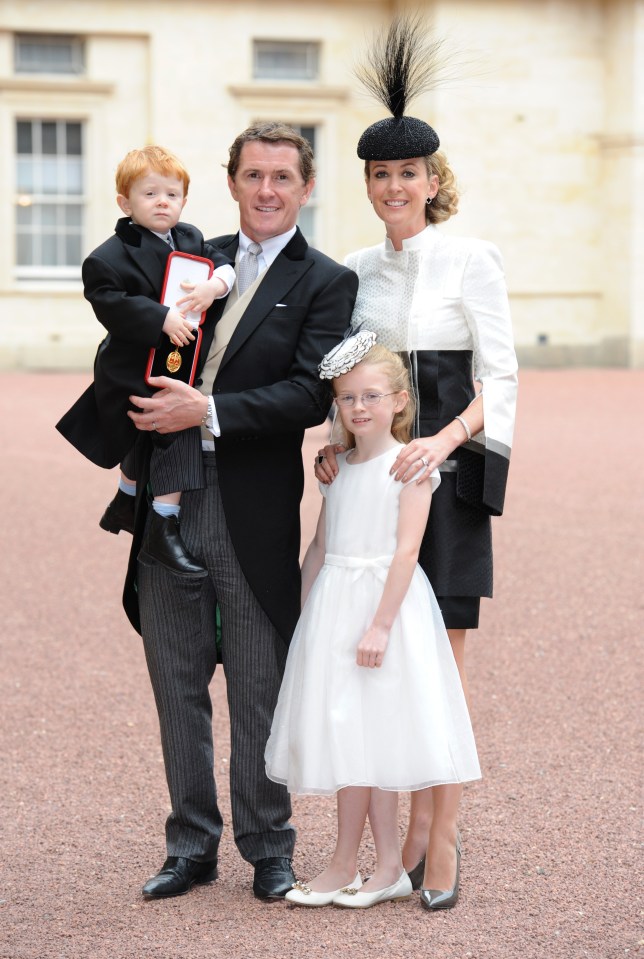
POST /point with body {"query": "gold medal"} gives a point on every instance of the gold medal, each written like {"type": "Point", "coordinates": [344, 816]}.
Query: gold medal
{"type": "Point", "coordinates": [173, 361]}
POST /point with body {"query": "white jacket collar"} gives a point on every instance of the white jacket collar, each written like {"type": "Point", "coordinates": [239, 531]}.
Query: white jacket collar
{"type": "Point", "coordinates": [426, 238]}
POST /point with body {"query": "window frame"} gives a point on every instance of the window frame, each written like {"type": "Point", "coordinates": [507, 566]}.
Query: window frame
{"type": "Point", "coordinates": [75, 66]}
{"type": "Point", "coordinates": [56, 201]}
{"type": "Point", "coordinates": [311, 49]}
{"type": "Point", "coordinates": [312, 207]}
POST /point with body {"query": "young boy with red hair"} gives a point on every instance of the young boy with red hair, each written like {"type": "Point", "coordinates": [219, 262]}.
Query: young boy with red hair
{"type": "Point", "coordinates": [122, 280]}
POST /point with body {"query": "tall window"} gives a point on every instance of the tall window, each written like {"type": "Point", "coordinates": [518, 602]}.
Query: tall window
{"type": "Point", "coordinates": [285, 60]}
{"type": "Point", "coordinates": [49, 205]}
{"type": "Point", "coordinates": [49, 53]}
{"type": "Point", "coordinates": [308, 214]}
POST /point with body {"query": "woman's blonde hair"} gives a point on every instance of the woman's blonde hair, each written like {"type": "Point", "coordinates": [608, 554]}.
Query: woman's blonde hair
{"type": "Point", "coordinates": [445, 203]}
{"type": "Point", "coordinates": [398, 376]}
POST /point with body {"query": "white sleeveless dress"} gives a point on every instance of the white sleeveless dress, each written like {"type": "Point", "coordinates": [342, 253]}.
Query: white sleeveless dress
{"type": "Point", "coordinates": [403, 726]}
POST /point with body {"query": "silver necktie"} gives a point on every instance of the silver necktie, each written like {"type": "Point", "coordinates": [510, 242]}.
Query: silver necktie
{"type": "Point", "coordinates": [169, 240]}
{"type": "Point", "coordinates": [248, 267]}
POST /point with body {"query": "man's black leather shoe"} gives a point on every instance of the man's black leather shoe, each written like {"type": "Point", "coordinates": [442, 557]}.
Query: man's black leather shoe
{"type": "Point", "coordinates": [178, 876]}
{"type": "Point", "coordinates": [162, 544]}
{"type": "Point", "coordinates": [119, 514]}
{"type": "Point", "coordinates": [273, 878]}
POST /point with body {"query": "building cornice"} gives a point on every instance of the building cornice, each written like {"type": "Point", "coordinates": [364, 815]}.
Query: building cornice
{"type": "Point", "coordinates": [274, 91]}
{"type": "Point", "coordinates": [48, 84]}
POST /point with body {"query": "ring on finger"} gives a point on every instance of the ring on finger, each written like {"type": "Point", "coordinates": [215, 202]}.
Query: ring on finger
{"type": "Point", "coordinates": [320, 458]}
{"type": "Point", "coordinates": [154, 426]}
{"type": "Point", "coordinates": [424, 461]}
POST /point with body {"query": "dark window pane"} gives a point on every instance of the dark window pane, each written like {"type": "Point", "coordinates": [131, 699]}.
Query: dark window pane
{"type": "Point", "coordinates": [309, 134]}
{"type": "Point", "coordinates": [24, 137]}
{"type": "Point", "coordinates": [49, 137]}
{"type": "Point", "coordinates": [74, 139]}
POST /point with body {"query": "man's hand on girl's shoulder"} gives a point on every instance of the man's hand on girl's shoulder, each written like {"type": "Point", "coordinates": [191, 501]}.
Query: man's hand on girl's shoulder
{"type": "Point", "coordinates": [326, 464]}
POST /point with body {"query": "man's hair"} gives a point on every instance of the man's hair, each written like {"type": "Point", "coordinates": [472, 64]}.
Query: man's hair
{"type": "Point", "coordinates": [151, 158]}
{"type": "Point", "coordinates": [273, 132]}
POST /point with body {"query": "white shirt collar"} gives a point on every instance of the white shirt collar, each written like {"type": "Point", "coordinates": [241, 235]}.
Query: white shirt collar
{"type": "Point", "coordinates": [271, 248]}
{"type": "Point", "coordinates": [162, 236]}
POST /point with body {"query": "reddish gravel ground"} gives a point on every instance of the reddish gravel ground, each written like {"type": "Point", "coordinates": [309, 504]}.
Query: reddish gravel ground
{"type": "Point", "coordinates": [550, 864]}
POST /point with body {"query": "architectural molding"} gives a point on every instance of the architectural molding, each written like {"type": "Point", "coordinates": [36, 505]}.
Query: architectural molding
{"type": "Point", "coordinates": [47, 84]}
{"type": "Point", "coordinates": [275, 91]}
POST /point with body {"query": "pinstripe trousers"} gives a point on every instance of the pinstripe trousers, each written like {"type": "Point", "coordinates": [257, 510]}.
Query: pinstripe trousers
{"type": "Point", "coordinates": [178, 627]}
{"type": "Point", "coordinates": [176, 464]}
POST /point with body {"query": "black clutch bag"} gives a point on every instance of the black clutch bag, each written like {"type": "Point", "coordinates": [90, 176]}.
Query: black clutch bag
{"type": "Point", "coordinates": [180, 363]}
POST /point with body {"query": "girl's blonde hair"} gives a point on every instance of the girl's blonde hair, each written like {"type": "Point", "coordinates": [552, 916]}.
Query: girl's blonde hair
{"type": "Point", "coordinates": [398, 376]}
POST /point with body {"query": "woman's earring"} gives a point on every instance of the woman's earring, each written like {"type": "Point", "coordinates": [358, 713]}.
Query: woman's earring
{"type": "Point", "coordinates": [428, 201]}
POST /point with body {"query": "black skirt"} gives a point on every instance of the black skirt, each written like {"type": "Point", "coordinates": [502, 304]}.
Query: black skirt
{"type": "Point", "coordinates": [460, 612]}
{"type": "Point", "coordinates": [456, 555]}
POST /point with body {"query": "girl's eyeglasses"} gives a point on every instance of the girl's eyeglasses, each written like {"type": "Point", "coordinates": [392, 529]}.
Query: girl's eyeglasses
{"type": "Point", "coordinates": [347, 400]}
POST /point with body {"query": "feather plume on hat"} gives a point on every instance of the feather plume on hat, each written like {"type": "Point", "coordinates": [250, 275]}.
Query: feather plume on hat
{"type": "Point", "coordinates": [401, 64]}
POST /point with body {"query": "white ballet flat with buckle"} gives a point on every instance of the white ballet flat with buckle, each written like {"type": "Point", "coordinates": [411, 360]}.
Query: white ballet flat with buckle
{"type": "Point", "coordinates": [352, 898]}
{"type": "Point", "coordinates": [303, 895]}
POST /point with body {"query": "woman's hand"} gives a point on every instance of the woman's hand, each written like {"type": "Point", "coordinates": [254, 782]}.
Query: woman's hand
{"type": "Point", "coordinates": [423, 455]}
{"type": "Point", "coordinates": [432, 451]}
{"type": "Point", "coordinates": [372, 647]}
{"type": "Point", "coordinates": [326, 465]}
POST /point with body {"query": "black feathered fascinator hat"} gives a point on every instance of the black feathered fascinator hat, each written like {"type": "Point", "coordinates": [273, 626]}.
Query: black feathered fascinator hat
{"type": "Point", "coordinates": [401, 65]}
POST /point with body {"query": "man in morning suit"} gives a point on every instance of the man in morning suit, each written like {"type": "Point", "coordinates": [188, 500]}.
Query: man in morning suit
{"type": "Point", "coordinates": [258, 390]}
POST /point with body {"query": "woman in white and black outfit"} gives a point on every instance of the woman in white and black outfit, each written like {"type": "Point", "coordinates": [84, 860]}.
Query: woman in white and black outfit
{"type": "Point", "coordinates": [442, 301]}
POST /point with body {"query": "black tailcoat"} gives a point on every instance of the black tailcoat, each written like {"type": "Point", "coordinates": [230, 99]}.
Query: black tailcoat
{"type": "Point", "coordinates": [123, 280]}
{"type": "Point", "coordinates": [267, 392]}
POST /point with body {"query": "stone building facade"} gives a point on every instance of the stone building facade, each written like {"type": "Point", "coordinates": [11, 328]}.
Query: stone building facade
{"type": "Point", "coordinates": [543, 124]}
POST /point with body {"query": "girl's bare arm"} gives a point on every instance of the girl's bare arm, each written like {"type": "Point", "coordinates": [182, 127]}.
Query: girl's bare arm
{"type": "Point", "coordinates": [415, 500]}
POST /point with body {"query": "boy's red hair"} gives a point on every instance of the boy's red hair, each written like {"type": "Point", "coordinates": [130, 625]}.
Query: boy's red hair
{"type": "Point", "coordinates": [138, 162]}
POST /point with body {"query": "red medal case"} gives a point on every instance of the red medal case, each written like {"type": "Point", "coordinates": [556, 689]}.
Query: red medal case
{"type": "Point", "coordinates": [180, 363]}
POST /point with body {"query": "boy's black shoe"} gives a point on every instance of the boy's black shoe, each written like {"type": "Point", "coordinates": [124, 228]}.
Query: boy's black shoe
{"type": "Point", "coordinates": [119, 514]}
{"type": "Point", "coordinates": [162, 544]}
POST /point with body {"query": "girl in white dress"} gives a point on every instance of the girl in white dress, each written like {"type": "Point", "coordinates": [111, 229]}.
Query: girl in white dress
{"type": "Point", "coordinates": [371, 702]}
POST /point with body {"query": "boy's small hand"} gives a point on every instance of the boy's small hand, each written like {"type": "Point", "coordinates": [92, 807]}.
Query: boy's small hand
{"type": "Point", "coordinates": [201, 295]}
{"type": "Point", "coordinates": [178, 328]}
{"type": "Point", "coordinates": [372, 647]}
